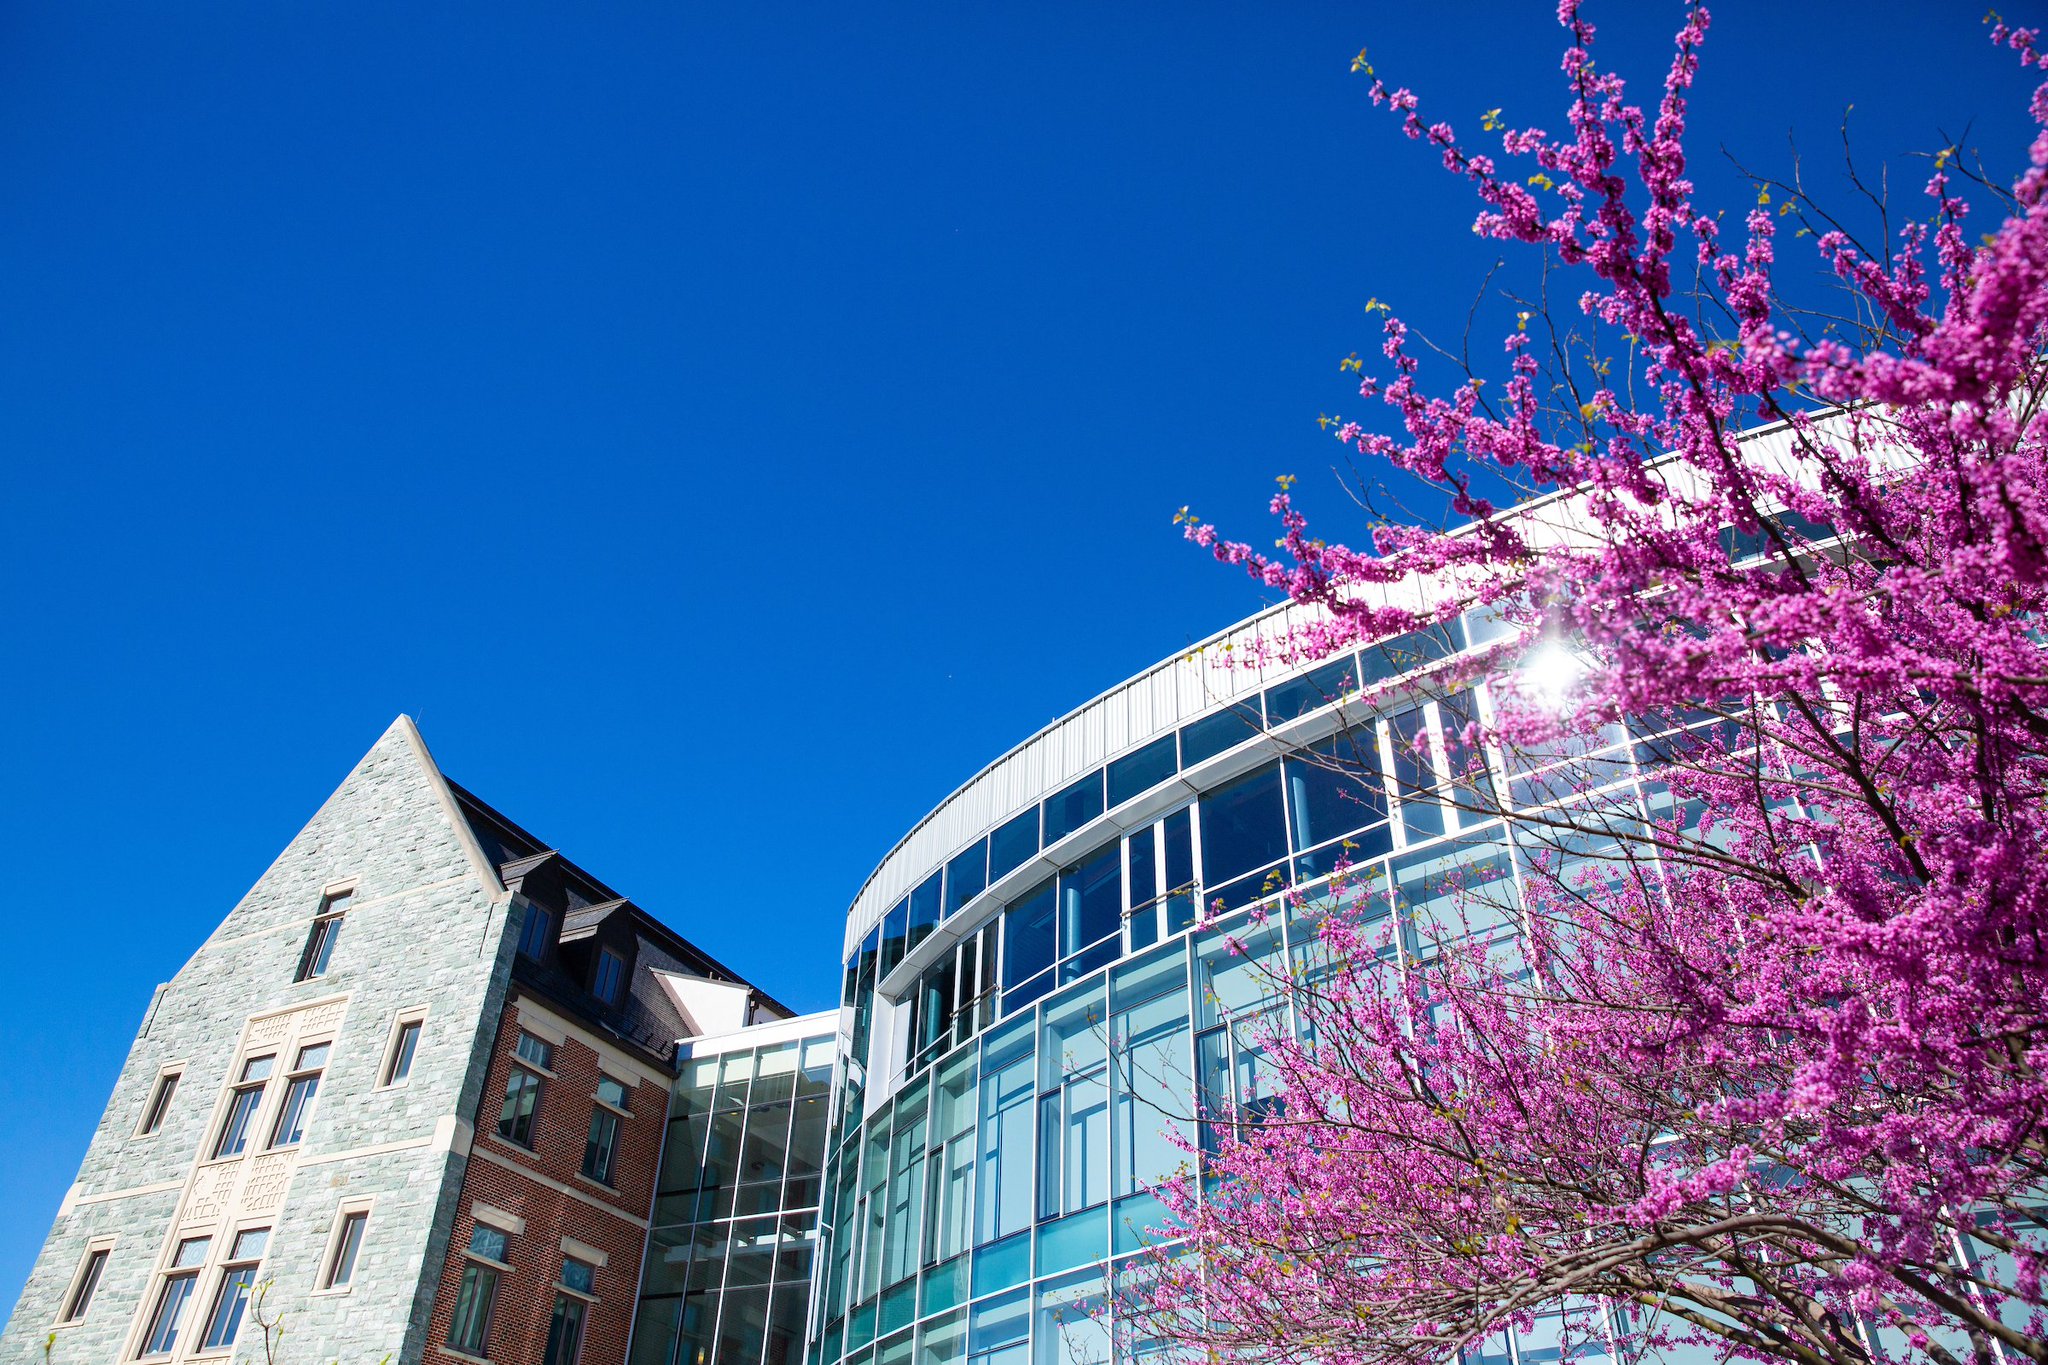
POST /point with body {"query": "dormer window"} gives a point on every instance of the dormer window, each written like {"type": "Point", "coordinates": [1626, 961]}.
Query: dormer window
{"type": "Point", "coordinates": [535, 933]}
{"type": "Point", "coordinates": [611, 976]}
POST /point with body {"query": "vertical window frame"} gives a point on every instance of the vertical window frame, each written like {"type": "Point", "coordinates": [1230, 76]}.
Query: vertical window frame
{"type": "Point", "coordinates": [401, 1053]}
{"type": "Point", "coordinates": [237, 1275]}
{"type": "Point", "coordinates": [293, 1109]}
{"type": "Point", "coordinates": [237, 1121]}
{"type": "Point", "coordinates": [181, 1276]}
{"type": "Point", "coordinates": [609, 986]}
{"type": "Point", "coordinates": [162, 1091]}
{"type": "Point", "coordinates": [349, 1214]}
{"type": "Point", "coordinates": [472, 1337]}
{"type": "Point", "coordinates": [318, 954]}
{"type": "Point", "coordinates": [85, 1281]}
{"type": "Point", "coordinates": [601, 1159]}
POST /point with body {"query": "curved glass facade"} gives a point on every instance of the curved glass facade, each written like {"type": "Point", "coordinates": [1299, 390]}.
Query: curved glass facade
{"type": "Point", "coordinates": [1025, 1038]}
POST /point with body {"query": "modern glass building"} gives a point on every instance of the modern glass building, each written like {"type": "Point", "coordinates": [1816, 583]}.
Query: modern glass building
{"type": "Point", "coordinates": [1039, 992]}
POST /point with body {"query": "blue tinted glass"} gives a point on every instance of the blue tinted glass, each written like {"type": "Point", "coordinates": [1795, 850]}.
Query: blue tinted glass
{"type": "Point", "coordinates": [1312, 691]}
{"type": "Point", "coordinates": [966, 876]}
{"type": "Point", "coordinates": [1028, 938]}
{"type": "Point", "coordinates": [1244, 826]}
{"type": "Point", "coordinates": [1180, 871]}
{"type": "Point", "coordinates": [1144, 869]}
{"type": "Point", "coordinates": [1484, 625]}
{"type": "Point", "coordinates": [1136, 773]}
{"type": "Point", "coordinates": [894, 930]}
{"type": "Point", "coordinates": [924, 909]}
{"type": "Point", "coordinates": [1211, 735]}
{"type": "Point", "coordinates": [1392, 658]}
{"type": "Point", "coordinates": [1415, 774]}
{"type": "Point", "coordinates": [1353, 849]}
{"type": "Point", "coordinates": [1091, 901]}
{"type": "Point", "coordinates": [1073, 808]}
{"type": "Point", "coordinates": [1013, 844]}
{"type": "Point", "coordinates": [1335, 789]}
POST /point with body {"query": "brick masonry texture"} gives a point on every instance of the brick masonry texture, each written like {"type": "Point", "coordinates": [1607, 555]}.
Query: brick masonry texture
{"type": "Point", "coordinates": [526, 1297]}
{"type": "Point", "coordinates": [426, 929]}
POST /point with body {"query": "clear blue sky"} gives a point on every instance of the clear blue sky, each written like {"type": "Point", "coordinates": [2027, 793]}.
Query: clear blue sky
{"type": "Point", "coordinates": [724, 426]}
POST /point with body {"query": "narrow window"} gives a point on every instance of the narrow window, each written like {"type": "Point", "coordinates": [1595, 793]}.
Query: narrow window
{"type": "Point", "coordinates": [471, 1327]}
{"type": "Point", "coordinates": [398, 1065]}
{"type": "Point", "coordinates": [522, 1099]}
{"type": "Point", "coordinates": [600, 1149]}
{"type": "Point", "coordinates": [237, 1278]}
{"type": "Point", "coordinates": [341, 1270]}
{"type": "Point", "coordinates": [536, 932]}
{"type": "Point", "coordinates": [565, 1329]}
{"type": "Point", "coordinates": [302, 1086]}
{"type": "Point", "coordinates": [320, 942]}
{"type": "Point", "coordinates": [611, 975]}
{"type": "Point", "coordinates": [174, 1300]}
{"type": "Point", "coordinates": [159, 1103]}
{"type": "Point", "coordinates": [88, 1283]}
{"type": "Point", "coordinates": [248, 1094]}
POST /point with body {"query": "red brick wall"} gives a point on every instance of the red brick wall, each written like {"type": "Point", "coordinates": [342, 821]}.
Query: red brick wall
{"type": "Point", "coordinates": [526, 1297]}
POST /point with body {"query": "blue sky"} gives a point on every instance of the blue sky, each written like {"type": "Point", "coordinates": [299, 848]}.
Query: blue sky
{"type": "Point", "coordinates": [725, 427]}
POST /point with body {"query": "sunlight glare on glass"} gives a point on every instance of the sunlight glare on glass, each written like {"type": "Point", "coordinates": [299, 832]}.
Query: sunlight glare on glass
{"type": "Point", "coordinates": [1550, 675]}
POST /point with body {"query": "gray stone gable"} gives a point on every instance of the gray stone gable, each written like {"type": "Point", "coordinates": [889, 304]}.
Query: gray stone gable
{"type": "Point", "coordinates": [425, 929]}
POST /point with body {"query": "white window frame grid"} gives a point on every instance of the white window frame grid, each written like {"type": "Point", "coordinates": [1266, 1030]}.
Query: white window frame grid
{"type": "Point", "coordinates": [263, 1119]}
{"type": "Point", "coordinates": [221, 1261]}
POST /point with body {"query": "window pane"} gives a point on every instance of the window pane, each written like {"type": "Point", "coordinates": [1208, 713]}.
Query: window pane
{"type": "Point", "coordinates": [1003, 1179]}
{"type": "Point", "coordinates": [522, 1097]}
{"type": "Point", "coordinates": [1211, 735]}
{"type": "Point", "coordinates": [1415, 774]}
{"type": "Point", "coordinates": [1244, 827]}
{"type": "Point", "coordinates": [535, 931]}
{"type": "Point", "coordinates": [297, 1110]}
{"type": "Point", "coordinates": [895, 936]}
{"type": "Point", "coordinates": [229, 1303]}
{"type": "Point", "coordinates": [1013, 844]}
{"type": "Point", "coordinates": [1091, 903]}
{"type": "Point", "coordinates": [966, 877]}
{"type": "Point", "coordinates": [600, 1144]}
{"type": "Point", "coordinates": [169, 1318]}
{"type": "Point", "coordinates": [234, 1132]}
{"type": "Point", "coordinates": [88, 1282]}
{"type": "Point", "coordinates": [924, 905]}
{"type": "Point", "coordinates": [1334, 790]}
{"type": "Point", "coordinates": [565, 1331]}
{"type": "Point", "coordinates": [1404, 653]}
{"type": "Point", "coordinates": [401, 1057]}
{"type": "Point", "coordinates": [1028, 938]}
{"type": "Point", "coordinates": [1072, 808]}
{"type": "Point", "coordinates": [344, 1270]}
{"type": "Point", "coordinates": [537, 1051]}
{"type": "Point", "coordinates": [472, 1320]}
{"type": "Point", "coordinates": [1311, 692]}
{"type": "Point", "coordinates": [1140, 771]}
{"type": "Point", "coordinates": [577, 1274]}
{"type": "Point", "coordinates": [159, 1103]}
{"type": "Point", "coordinates": [487, 1241]}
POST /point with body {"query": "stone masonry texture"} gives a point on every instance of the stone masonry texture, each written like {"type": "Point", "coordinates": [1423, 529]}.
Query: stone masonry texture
{"type": "Point", "coordinates": [426, 929]}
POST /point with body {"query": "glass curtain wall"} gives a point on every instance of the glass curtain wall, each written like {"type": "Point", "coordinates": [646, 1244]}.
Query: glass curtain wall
{"type": "Point", "coordinates": [981, 1210]}
{"type": "Point", "coordinates": [728, 1272]}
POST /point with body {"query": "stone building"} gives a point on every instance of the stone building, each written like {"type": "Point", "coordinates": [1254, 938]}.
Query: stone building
{"type": "Point", "coordinates": [407, 1100]}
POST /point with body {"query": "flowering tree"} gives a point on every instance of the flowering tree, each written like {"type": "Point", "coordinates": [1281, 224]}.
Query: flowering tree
{"type": "Point", "coordinates": [1762, 1068]}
